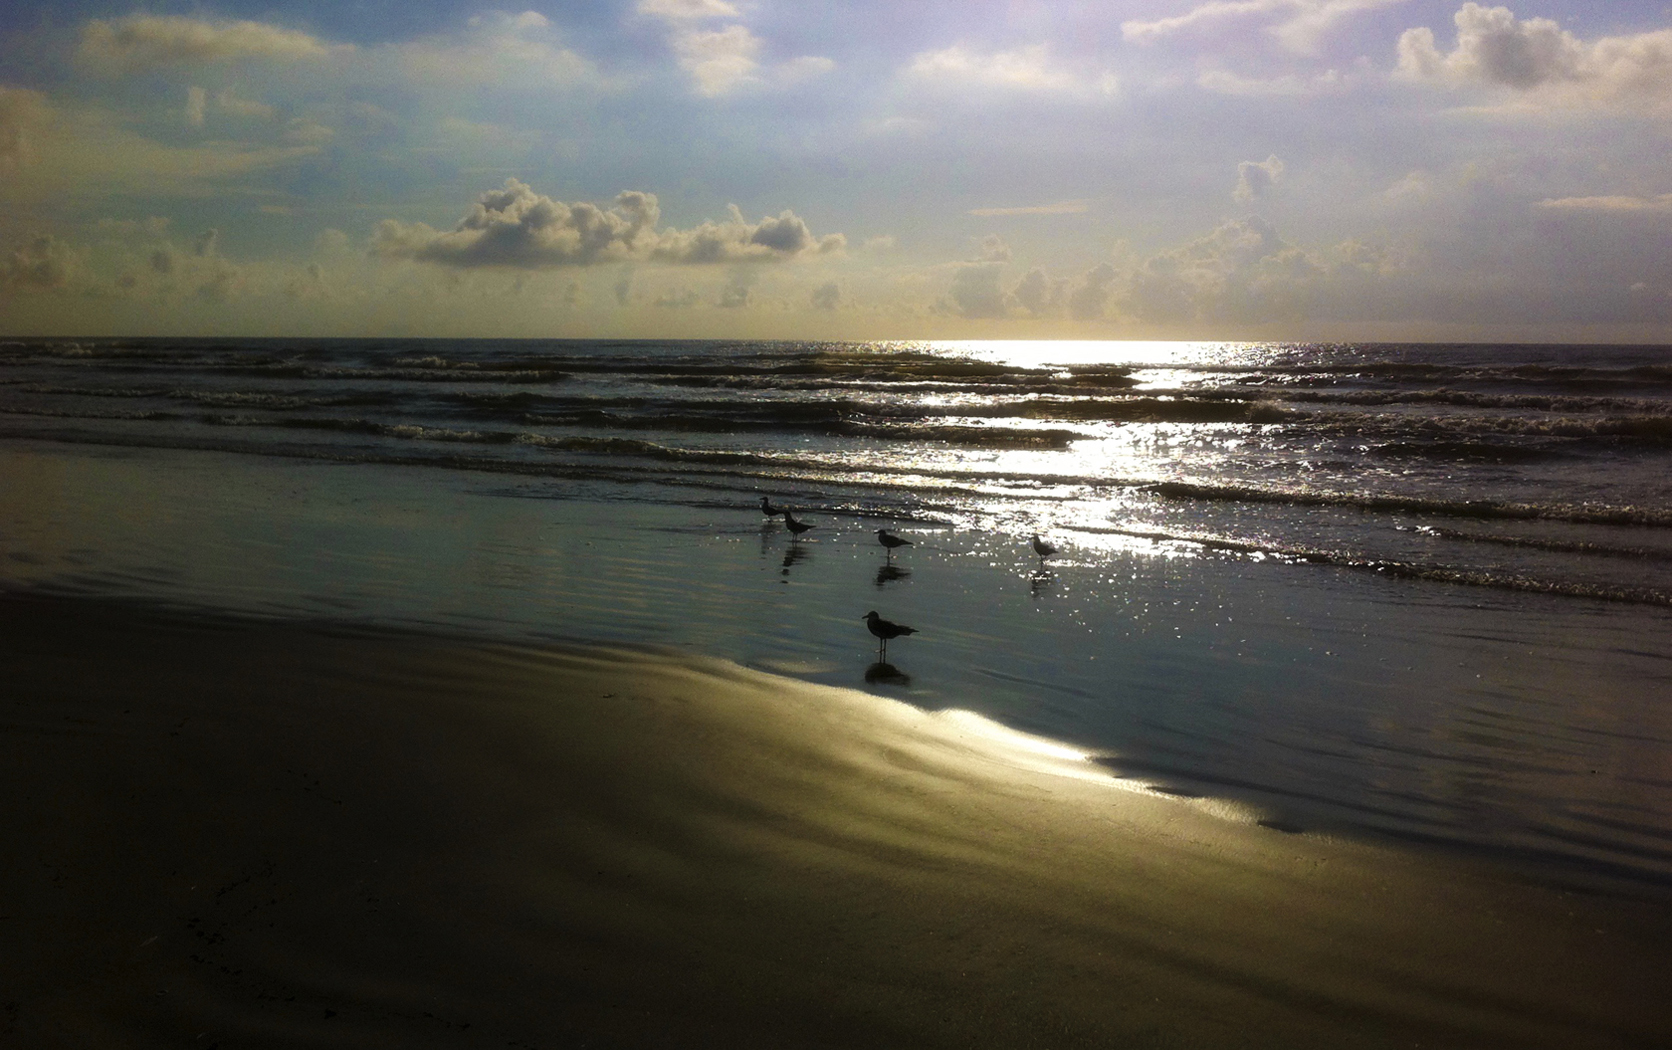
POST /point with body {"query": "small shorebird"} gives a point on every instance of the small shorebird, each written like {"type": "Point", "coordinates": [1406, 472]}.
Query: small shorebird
{"type": "Point", "coordinates": [768, 509]}
{"type": "Point", "coordinates": [890, 541]}
{"type": "Point", "coordinates": [1041, 548]}
{"type": "Point", "coordinates": [884, 630]}
{"type": "Point", "coordinates": [797, 526]}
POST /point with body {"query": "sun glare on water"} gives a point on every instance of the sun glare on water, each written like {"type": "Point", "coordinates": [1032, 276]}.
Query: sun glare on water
{"type": "Point", "coordinates": [1041, 353]}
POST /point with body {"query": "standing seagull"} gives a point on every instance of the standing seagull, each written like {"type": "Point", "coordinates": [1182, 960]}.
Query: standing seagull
{"type": "Point", "coordinates": [1041, 548]}
{"type": "Point", "coordinates": [884, 630]}
{"type": "Point", "coordinates": [890, 541]}
{"type": "Point", "coordinates": [768, 509]}
{"type": "Point", "coordinates": [797, 527]}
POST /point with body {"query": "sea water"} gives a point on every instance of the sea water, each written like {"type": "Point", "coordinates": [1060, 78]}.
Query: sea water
{"type": "Point", "coordinates": [1402, 592]}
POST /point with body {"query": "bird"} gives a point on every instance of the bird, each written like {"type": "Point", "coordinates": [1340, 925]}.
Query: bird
{"type": "Point", "coordinates": [797, 526]}
{"type": "Point", "coordinates": [884, 630]}
{"type": "Point", "coordinates": [890, 541]}
{"type": "Point", "coordinates": [768, 509]}
{"type": "Point", "coordinates": [1041, 548]}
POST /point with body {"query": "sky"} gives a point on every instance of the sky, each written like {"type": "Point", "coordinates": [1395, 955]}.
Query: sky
{"type": "Point", "coordinates": [814, 169]}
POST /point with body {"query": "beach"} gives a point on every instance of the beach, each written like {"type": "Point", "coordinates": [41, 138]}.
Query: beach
{"type": "Point", "coordinates": [328, 721]}
{"type": "Point", "coordinates": [247, 833]}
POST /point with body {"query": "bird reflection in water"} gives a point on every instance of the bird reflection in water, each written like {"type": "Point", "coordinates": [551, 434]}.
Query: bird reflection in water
{"type": "Point", "coordinates": [795, 554]}
{"type": "Point", "coordinates": [888, 573]}
{"type": "Point", "coordinates": [1039, 582]}
{"type": "Point", "coordinates": [881, 673]}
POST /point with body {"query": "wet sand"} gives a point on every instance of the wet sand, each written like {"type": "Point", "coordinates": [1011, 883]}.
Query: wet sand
{"type": "Point", "coordinates": [240, 834]}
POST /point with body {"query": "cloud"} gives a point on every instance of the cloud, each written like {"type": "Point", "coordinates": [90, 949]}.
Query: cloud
{"type": "Point", "coordinates": [719, 60]}
{"type": "Point", "coordinates": [1242, 270]}
{"type": "Point", "coordinates": [736, 239]}
{"type": "Point", "coordinates": [22, 114]}
{"type": "Point", "coordinates": [993, 249]}
{"type": "Point", "coordinates": [1222, 82]}
{"type": "Point", "coordinates": [1087, 300]}
{"type": "Point", "coordinates": [44, 264]}
{"type": "Point", "coordinates": [1661, 204]}
{"type": "Point", "coordinates": [681, 10]}
{"type": "Point", "coordinates": [1536, 55]}
{"type": "Point", "coordinates": [139, 43]}
{"type": "Point", "coordinates": [1245, 273]}
{"type": "Point", "coordinates": [150, 228]}
{"type": "Point", "coordinates": [197, 100]}
{"type": "Point", "coordinates": [1038, 293]}
{"type": "Point", "coordinates": [1297, 25]}
{"type": "Point", "coordinates": [516, 227]}
{"type": "Point", "coordinates": [735, 295]}
{"type": "Point", "coordinates": [247, 109]}
{"type": "Point", "coordinates": [827, 296]}
{"type": "Point", "coordinates": [1059, 208]}
{"type": "Point", "coordinates": [221, 286]}
{"type": "Point", "coordinates": [1027, 69]}
{"type": "Point", "coordinates": [975, 291]}
{"type": "Point", "coordinates": [1416, 185]}
{"type": "Point", "coordinates": [677, 299]}
{"type": "Point", "coordinates": [1255, 178]}
{"type": "Point", "coordinates": [494, 48]}
{"type": "Point", "coordinates": [88, 151]}
{"type": "Point", "coordinates": [727, 59]}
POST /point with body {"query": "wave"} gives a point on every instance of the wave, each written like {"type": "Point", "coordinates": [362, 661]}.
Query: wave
{"type": "Point", "coordinates": [1566, 403]}
{"type": "Point", "coordinates": [1581, 514]}
{"type": "Point", "coordinates": [1345, 369]}
{"type": "Point", "coordinates": [1432, 572]}
{"type": "Point", "coordinates": [1586, 547]}
{"type": "Point", "coordinates": [1456, 451]}
{"type": "Point", "coordinates": [339, 373]}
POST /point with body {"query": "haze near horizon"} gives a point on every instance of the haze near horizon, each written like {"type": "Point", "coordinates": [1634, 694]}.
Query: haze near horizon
{"type": "Point", "coordinates": [1167, 169]}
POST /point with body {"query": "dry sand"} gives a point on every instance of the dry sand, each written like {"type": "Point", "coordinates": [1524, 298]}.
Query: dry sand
{"type": "Point", "coordinates": [255, 835]}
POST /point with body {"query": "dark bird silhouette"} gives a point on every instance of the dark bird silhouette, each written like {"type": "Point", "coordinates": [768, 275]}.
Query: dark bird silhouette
{"type": "Point", "coordinates": [797, 526]}
{"type": "Point", "coordinates": [768, 509]}
{"type": "Point", "coordinates": [889, 541]}
{"type": "Point", "coordinates": [1041, 548]}
{"type": "Point", "coordinates": [884, 630]}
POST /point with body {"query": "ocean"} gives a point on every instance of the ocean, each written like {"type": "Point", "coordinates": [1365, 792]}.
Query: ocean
{"type": "Point", "coordinates": [1420, 595]}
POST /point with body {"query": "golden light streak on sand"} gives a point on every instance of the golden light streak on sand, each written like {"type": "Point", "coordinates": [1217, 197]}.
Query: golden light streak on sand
{"type": "Point", "coordinates": [281, 837]}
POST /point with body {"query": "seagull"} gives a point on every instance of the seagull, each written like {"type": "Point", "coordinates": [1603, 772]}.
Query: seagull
{"type": "Point", "coordinates": [768, 509]}
{"type": "Point", "coordinates": [797, 527]}
{"type": "Point", "coordinates": [884, 630]}
{"type": "Point", "coordinates": [890, 541]}
{"type": "Point", "coordinates": [1041, 548]}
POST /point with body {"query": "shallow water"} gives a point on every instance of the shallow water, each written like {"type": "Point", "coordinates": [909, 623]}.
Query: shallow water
{"type": "Point", "coordinates": [1530, 728]}
{"type": "Point", "coordinates": [1514, 467]}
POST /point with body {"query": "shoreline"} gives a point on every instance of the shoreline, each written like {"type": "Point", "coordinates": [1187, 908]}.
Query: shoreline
{"type": "Point", "coordinates": [278, 834]}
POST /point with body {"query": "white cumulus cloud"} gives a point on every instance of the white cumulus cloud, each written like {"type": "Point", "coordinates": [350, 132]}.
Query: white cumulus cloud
{"type": "Point", "coordinates": [680, 10]}
{"type": "Point", "coordinates": [718, 60]}
{"type": "Point", "coordinates": [1297, 25]}
{"type": "Point", "coordinates": [1255, 178]}
{"type": "Point", "coordinates": [1536, 55]}
{"type": "Point", "coordinates": [1029, 68]}
{"type": "Point", "coordinates": [44, 264]}
{"type": "Point", "coordinates": [1661, 203]}
{"type": "Point", "coordinates": [518, 228]}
